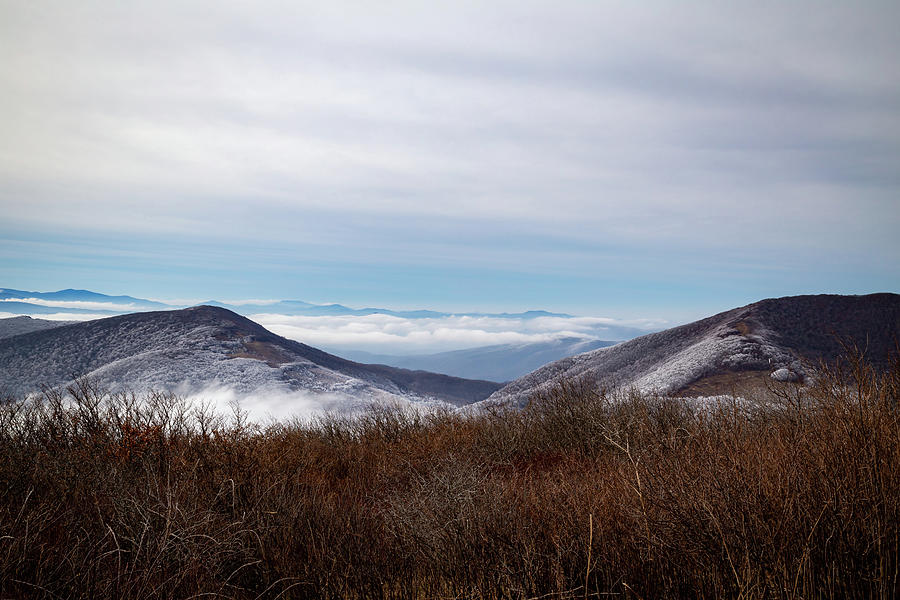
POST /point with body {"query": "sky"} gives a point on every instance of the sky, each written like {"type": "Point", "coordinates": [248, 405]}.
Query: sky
{"type": "Point", "coordinates": [637, 160]}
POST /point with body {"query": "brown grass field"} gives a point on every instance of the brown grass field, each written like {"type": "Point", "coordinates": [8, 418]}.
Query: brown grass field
{"type": "Point", "coordinates": [792, 494]}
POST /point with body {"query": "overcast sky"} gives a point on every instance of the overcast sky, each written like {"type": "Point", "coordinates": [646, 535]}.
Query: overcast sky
{"type": "Point", "coordinates": [632, 159]}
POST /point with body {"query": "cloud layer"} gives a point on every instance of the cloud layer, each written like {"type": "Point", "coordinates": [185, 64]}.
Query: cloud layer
{"type": "Point", "coordinates": [387, 334]}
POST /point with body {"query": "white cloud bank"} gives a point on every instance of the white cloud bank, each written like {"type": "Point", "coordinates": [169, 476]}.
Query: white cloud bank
{"type": "Point", "coordinates": [264, 406]}
{"type": "Point", "coordinates": [395, 335]}
{"type": "Point", "coordinates": [270, 405]}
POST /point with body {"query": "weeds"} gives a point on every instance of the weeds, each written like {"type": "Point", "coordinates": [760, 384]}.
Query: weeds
{"type": "Point", "coordinates": [582, 494]}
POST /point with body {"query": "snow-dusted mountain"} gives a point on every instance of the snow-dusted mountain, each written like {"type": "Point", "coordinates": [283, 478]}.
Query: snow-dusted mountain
{"type": "Point", "coordinates": [767, 338]}
{"type": "Point", "coordinates": [19, 325]}
{"type": "Point", "coordinates": [207, 347]}
{"type": "Point", "coordinates": [499, 362]}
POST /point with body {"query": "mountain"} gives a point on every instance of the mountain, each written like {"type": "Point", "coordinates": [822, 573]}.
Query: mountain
{"type": "Point", "coordinates": [19, 325]}
{"type": "Point", "coordinates": [765, 339]}
{"type": "Point", "coordinates": [502, 362]}
{"type": "Point", "coordinates": [198, 348]}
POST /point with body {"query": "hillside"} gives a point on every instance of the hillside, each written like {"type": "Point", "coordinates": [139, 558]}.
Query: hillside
{"type": "Point", "coordinates": [768, 338]}
{"type": "Point", "coordinates": [19, 325]}
{"type": "Point", "coordinates": [197, 348]}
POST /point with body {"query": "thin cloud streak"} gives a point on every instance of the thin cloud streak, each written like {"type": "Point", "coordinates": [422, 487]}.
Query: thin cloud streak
{"type": "Point", "coordinates": [81, 304]}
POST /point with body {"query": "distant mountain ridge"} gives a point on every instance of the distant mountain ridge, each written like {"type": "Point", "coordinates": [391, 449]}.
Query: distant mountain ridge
{"type": "Point", "coordinates": [298, 308]}
{"type": "Point", "coordinates": [16, 301]}
{"type": "Point", "coordinates": [766, 338]}
{"type": "Point", "coordinates": [72, 295]}
{"type": "Point", "coordinates": [189, 349]}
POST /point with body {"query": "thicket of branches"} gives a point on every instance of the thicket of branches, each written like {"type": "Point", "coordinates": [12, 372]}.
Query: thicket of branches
{"type": "Point", "coordinates": [582, 494]}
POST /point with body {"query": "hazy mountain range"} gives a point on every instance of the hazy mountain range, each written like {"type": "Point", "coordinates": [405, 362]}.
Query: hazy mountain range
{"type": "Point", "coordinates": [76, 301]}
{"type": "Point", "coordinates": [67, 301]}
{"type": "Point", "coordinates": [502, 362]}
{"type": "Point", "coordinates": [298, 307]}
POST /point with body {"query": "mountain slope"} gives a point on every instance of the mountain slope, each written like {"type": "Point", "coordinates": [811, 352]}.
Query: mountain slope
{"type": "Point", "coordinates": [501, 362]}
{"type": "Point", "coordinates": [19, 325]}
{"type": "Point", "coordinates": [188, 350]}
{"type": "Point", "coordinates": [767, 337]}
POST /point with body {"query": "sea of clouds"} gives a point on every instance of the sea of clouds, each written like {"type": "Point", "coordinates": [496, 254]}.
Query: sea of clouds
{"type": "Point", "coordinates": [388, 334]}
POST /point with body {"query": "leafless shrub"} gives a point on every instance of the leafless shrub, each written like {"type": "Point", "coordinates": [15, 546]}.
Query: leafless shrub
{"type": "Point", "coordinates": [583, 493]}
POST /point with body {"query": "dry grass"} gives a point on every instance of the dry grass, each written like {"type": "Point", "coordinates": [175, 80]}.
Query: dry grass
{"type": "Point", "coordinates": [580, 495]}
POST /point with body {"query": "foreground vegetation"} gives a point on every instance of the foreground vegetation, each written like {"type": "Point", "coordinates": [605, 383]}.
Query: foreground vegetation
{"type": "Point", "coordinates": [583, 494]}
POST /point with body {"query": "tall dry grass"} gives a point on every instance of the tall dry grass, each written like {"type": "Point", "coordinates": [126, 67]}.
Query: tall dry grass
{"type": "Point", "coordinates": [583, 494]}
